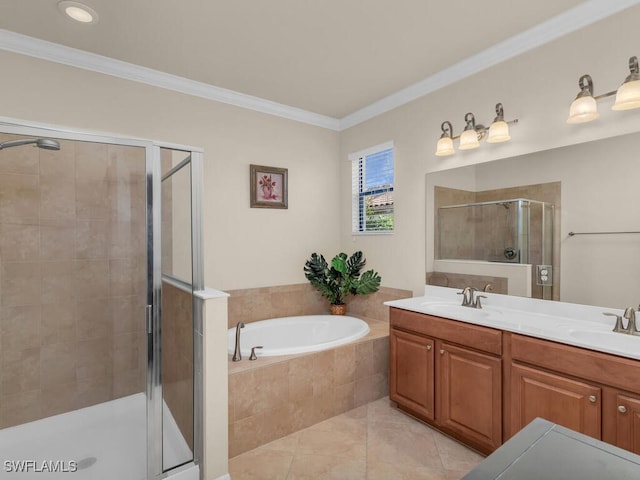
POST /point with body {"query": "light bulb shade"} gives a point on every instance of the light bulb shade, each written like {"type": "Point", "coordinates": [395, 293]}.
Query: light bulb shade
{"type": "Point", "coordinates": [583, 109]}
{"type": "Point", "coordinates": [445, 147]}
{"type": "Point", "coordinates": [628, 96]}
{"type": "Point", "coordinates": [469, 140]}
{"type": "Point", "coordinates": [498, 132]}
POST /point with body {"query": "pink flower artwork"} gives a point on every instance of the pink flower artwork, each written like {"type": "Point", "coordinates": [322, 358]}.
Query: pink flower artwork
{"type": "Point", "coordinates": [270, 187]}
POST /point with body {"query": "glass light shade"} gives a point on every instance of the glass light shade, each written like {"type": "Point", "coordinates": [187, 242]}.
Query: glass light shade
{"type": "Point", "coordinates": [628, 96]}
{"type": "Point", "coordinates": [78, 11]}
{"type": "Point", "coordinates": [583, 109]}
{"type": "Point", "coordinates": [469, 140]}
{"type": "Point", "coordinates": [498, 132]}
{"type": "Point", "coordinates": [445, 147]}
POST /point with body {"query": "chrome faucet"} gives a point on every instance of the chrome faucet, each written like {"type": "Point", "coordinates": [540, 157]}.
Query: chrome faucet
{"type": "Point", "coordinates": [630, 316]}
{"type": "Point", "coordinates": [470, 299]}
{"type": "Point", "coordinates": [467, 296]}
{"type": "Point", "coordinates": [237, 354]}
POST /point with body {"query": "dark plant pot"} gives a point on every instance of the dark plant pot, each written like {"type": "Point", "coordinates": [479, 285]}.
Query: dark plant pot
{"type": "Point", "coordinates": [338, 309]}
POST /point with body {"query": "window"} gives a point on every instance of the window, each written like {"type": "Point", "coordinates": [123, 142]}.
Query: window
{"type": "Point", "coordinates": [372, 189]}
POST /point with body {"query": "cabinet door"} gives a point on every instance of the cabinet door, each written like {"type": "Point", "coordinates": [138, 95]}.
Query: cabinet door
{"type": "Point", "coordinates": [628, 423]}
{"type": "Point", "coordinates": [470, 395]}
{"type": "Point", "coordinates": [411, 372]}
{"type": "Point", "coordinates": [570, 403]}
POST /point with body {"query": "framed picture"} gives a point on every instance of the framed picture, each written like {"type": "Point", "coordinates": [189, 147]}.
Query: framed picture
{"type": "Point", "coordinates": [268, 187]}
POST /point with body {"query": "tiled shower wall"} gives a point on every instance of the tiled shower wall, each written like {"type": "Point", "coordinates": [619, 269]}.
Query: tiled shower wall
{"type": "Point", "coordinates": [72, 277]}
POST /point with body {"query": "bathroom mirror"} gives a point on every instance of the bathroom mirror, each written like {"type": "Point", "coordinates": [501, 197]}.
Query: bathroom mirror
{"type": "Point", "coordinates": [599, 194]}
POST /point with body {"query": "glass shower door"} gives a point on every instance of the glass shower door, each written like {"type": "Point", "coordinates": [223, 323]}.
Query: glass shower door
{"type": "Point", "coordinates": [177, 353]}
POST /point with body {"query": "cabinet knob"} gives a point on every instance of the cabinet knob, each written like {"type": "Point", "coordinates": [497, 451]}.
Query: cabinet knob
{"type": "Point", "coordinates": [441, 351]}
{"type": "Point", "coordinates": [428, 347]}
{"type": "Point", "coordinates": [622, 409]}
{"type": "Point", "coordinates": [592, 398]}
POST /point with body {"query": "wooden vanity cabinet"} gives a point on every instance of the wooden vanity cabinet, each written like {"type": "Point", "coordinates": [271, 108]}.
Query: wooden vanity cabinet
{"type": "Point", "coordinates": [469, 384]}
{"type": "Point", "coordinates": [567, 402]}
{"type": "Point", "coordinates": [411, 378]}
{"type": "Point", "coordinates": [449, 374]}
{"type": "Point", "coordinates": [591, 392]}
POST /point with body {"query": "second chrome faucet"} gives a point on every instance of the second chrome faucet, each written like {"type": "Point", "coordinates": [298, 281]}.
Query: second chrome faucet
{"type": "Point", "coordinates": [470, 299]}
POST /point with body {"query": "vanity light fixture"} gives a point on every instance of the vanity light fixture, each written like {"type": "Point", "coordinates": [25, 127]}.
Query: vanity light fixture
{"type": "Point", "coordinates": [473, 133]}
{"type": "Point", "coordinates": [585, 108]}
{"type": "Point", "coordinates": [78, 11]}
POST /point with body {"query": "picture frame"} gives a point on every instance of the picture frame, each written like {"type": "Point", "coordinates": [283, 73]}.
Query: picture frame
{"type": "Point", "coordinates": [269, 187]}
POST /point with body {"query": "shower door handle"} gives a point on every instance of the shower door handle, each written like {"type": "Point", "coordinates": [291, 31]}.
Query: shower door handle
{"type": "Point", "coordinates": [149, 312]}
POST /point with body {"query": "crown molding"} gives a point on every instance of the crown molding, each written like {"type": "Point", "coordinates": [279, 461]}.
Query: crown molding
{"type": "Point", "coordinates": [53, 52]}
{"type": "Point", "coordinates": [573, 19]}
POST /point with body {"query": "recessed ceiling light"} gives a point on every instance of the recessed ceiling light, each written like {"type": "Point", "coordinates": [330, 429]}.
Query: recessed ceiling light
{"type": "Point", "coordinates": [78, 11]}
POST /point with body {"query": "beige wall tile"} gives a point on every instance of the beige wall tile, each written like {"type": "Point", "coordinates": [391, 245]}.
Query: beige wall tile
{"type": "Point", "coordinates": [19, 243]}
{"type": "Point", "coordinates": [20, 408]}
{"type": "Point", "coordinates": [58, 323]}
{"type": "Point", "coordinates": [92, 200]}
{"type": "Point", "coordinates": [300, 379]}
{"type": "Point", "coordinates": [91, 239]}
{"type": "Point", "coordinates": [91, 161]}
{"type": "Point", "coordinates": [345, 364]}
{"type": "Point", "coordinates": [22, 374]}
{"type": "Point", "coordinates": [20, 329]}
{"type": "Point", "coordinates": [57, 198]}
{"type": "Point", "coordinates": [57, 284]}
{"type": "Point", "coordinates": [93, 390]}
{"type": "Point", "coordinates": [91, 278]}
{"type": "Point", "coordinates": [125, 164]}
{"type": "Point", "coordinates": [371, 388]}
{"type": "Point", "coordinates": [20, 283]}
{"type": "Point", "coordinates": [125, 278]}
{"type": "Point", "coordinates": [19, 198]}
{"type": "Point", "coordinates": [57, 365]}
{"type": "Point", "coordinates": [94, 319]}
{"type": "Point", "coordinates": [364, 359]}
{"type": "Point", "coordinates": [323, 372]}
{"type": "Point", "coordinates": [128, 314]}
{"type": "Point", "coordinates": [57, 242]}
{"type": "Point", "coordinates": [344, 397]}
{"type": "Point", "coordinates": [60, 398]}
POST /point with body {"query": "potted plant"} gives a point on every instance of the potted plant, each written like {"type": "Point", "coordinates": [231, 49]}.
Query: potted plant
{"type": "Point", "coordinates": [341, 278]}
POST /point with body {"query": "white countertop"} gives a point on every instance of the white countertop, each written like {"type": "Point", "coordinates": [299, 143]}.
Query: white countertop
{"type": "Point", "coordinates": [579, 325]}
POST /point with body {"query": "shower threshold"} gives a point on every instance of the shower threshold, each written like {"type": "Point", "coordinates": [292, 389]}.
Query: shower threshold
{"type": "Point", "coordinates": [102, 442]}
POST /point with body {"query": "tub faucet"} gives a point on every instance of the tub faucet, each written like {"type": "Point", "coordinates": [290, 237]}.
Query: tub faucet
{"type": "Point", "coordinates": [237, 354]}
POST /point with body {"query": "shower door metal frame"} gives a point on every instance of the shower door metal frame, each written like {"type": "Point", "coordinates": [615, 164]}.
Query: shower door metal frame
{"type": "Point", "coordinates": [155, 468]}
{"type": "Point", "coordinates": [154, 274]}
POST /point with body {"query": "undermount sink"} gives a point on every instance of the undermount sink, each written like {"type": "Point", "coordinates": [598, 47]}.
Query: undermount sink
{"type": "Point", "coordinates": [619, 341]}
{"type": "Point", "coordinates": [455, 309]}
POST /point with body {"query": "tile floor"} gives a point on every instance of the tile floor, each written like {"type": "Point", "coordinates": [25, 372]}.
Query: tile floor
{"type": "Point", "coordinates": [372, 442]}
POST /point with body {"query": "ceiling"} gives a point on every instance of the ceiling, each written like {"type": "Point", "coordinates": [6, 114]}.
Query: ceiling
{"type": "Point", "coordinates": [330, 57]}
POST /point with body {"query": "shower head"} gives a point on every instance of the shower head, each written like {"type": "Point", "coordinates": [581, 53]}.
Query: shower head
{"type": "Point", "coordinates": [45, 143]}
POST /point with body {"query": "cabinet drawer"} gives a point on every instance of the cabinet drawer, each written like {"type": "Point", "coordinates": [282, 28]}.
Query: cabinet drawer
{"type": "Point", "coordinates": [623, 373]}
{"type": "Point", "coordinates": [474, 336]}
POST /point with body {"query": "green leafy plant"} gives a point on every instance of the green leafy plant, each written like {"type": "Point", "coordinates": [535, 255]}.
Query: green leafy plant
{"type": "Point", "coordinates": [342, 277]}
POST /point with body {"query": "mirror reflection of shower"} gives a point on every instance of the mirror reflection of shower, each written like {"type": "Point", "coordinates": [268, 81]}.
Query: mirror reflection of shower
{"type": "Point", "coordinates": [44, 143]}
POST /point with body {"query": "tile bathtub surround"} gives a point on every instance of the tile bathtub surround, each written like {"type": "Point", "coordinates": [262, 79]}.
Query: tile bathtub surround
{"type": "Point", "coordinates": [253, 304]}
{"type": "Point", "coordinates": [371, 442]}
{"type": "Point", "coordinates": [71, 269]}
{"type": "Point", "coordinates": [275, 396]}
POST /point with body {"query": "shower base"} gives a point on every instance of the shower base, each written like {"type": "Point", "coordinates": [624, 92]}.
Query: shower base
{"type": "Point", "coordinates": [107, 441]}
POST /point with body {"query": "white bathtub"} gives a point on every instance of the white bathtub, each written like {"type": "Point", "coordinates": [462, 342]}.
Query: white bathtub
{"type": "Point", "coordinates": [289, 335]}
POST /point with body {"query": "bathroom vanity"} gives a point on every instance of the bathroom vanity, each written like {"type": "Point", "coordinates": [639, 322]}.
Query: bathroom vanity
{"type": "Point", "coordinates": [481, 375]}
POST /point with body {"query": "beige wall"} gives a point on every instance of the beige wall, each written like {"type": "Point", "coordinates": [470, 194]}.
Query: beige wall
{"type": "Point", "coordinates": [536, 87]}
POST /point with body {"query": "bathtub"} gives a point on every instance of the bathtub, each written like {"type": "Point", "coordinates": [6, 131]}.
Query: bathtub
{"type": "Point", "coordinates": [300, 334]}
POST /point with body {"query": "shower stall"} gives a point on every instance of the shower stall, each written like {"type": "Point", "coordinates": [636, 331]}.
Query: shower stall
{"type": "Point", "coordinates": [100, 333]}
{"type": "Point", "coordinates": [516, 230]}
